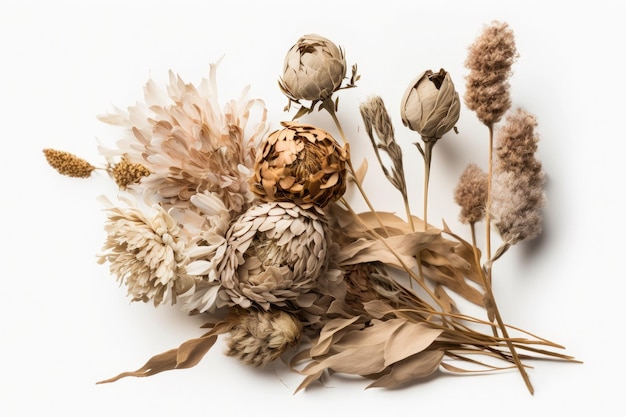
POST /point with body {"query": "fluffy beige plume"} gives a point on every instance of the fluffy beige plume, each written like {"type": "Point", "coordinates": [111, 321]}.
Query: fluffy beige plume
{"type": "Point", "coordinates": [518, 194]}
{"type": "Point", "coordinates": [490, 59]}
{"type": "Point", "coordinates": [471, 194]}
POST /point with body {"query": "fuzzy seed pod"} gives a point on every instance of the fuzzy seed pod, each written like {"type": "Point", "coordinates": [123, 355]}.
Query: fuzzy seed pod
{"type": "Point", "coordinates": [431, 105]}
{"type": "Point", "coordinates": [300, 164]}
{"type": "Point", "coordinates": [314, 69]}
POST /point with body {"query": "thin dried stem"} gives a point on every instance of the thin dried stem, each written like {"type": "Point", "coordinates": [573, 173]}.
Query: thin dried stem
{"type": "Point", "coordinates": [408, 270]}
{"type": "Point", "coordinates": [357, 181]}
{"type": "Point", "coordinates": [488, 203]}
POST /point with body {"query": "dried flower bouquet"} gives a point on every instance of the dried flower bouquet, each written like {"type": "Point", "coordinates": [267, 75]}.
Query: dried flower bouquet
{"type": "Point", "coordinates": [251, 228]}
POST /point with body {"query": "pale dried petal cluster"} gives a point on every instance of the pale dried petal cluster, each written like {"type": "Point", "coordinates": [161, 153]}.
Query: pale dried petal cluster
{"type": "Point", "coordinates": [260, 337]}
{"type": "Point", "coordinates": [147, 252]}
{"type": "Point", "coordinates": [207, 227]}
{"type": "Point", "coordinates": [314, 69]}
{"type": "Point", "coordinates": [301, 164]}
{"type": "Point", "coordinates": [273, 253]}
{"type": "Point", "coordinates": [490, 59]}
{"type": "Point", "coordinates": [518, 194]}
{"type": "Point", "coordinates": [188, 144]}
{"type": "Point", "coordinates": [471, 194]}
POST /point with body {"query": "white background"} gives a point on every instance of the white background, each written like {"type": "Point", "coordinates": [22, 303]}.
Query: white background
{"type": "Point", "coordinates": [64, 321]}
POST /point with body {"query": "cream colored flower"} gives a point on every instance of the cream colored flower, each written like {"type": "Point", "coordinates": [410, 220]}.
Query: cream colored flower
{"type": "Point", "coordinates": [274, 252]}
{"type": "Point", "coordinates": [146, 250]}
{"type": "Point", "coordinates": [314, 69]}
{"type": "Point", "coordinates": [300, 164]}
{"type": "Point", "coordinates": [431, 105]}
{"type": "Point", "coordinates": [188, 145]}
{"type": "Point", "coordinates": [259, 337]}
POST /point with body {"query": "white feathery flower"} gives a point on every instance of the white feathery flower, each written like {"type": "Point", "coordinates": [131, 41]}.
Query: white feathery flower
{"type": "Point", "coordinates": [146, 250]}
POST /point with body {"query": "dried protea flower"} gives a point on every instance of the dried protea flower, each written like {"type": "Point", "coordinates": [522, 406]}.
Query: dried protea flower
{"type": "Point", "coordinates": [302, 164]}
{"type": "Point", "coordinates": [431, 105]}
{"type": "Point", "coordinates": [518, 194]}
{"type": "Point", "coordinates": [274, 252]}
{"type": "Point", "coordinates": [260, 337]}
{"type": "Point", "coordinates": [147, 252]}
{"type": "Point", "coordinates": [189, 144]}
{"type": "Point", "coordinates": [471, 194]}
{"type": "Point", "coordinates": [314, 69]}
{"type": "Point", "coordinates": [490, 59]}
{"type": "Point", "coordinates": [68, 164]}
{"type": "Point", "coordinates": [126, 173]}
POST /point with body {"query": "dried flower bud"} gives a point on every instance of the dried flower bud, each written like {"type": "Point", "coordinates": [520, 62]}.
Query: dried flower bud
{"type": "Point", "coordinates": [259, 337]}
{"type": "Point", "coordinates": [68, 164]}
{"type": "Point", "coordinates": [431, 105]}
{"type": "Point", "coordinates": [314, 69]}
{"type": "Point", "coordinates": [126, 173]}
{"type": "Point", "coordinates": [471, 194]}
{"type": "Point", "coordinates": [300, 164]}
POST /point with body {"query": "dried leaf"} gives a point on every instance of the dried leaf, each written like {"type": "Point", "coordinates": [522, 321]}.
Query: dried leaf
{"type": "Point", "coordinates": [410, 369]}
{"type": "Point", "coordinates": [185, 356]}
{"type": "Point", "coordinates": [409, 339]}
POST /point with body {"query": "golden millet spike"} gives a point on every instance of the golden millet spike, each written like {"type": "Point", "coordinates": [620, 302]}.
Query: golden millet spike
{"type": "Point", "coordinates": [68, 164]}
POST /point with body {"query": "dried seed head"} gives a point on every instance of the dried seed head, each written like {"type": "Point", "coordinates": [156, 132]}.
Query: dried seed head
{"type": "Point", "coordinates": [490, 59]}
{"type": "Point", "coordinates": [68, 164]}
{"type": "Point", "coordinates": [300, 164]}
{"type": "Point", "coordinates": [471, 194]}
{"type": "Point", "coordinates": [259, 337]}
{"type": "Point", "coordinates": [126, 173]}
{"type": "Point", "coordinates": [375, 116]}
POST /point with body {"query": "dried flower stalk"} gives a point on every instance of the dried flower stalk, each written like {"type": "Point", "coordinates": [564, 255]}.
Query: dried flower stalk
{"type": "Point", "coordinates": [487, 93]}
{"type": "Point", "coordinates": [430, 107]}
{"type": "Point", "coordinates": [376, 119]}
